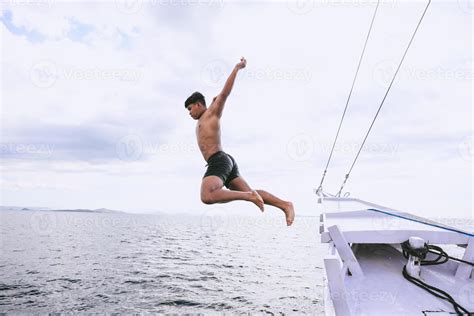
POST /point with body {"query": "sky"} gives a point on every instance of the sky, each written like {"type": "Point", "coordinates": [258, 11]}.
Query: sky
{"type": "Point", "coordinates": [92, 102]}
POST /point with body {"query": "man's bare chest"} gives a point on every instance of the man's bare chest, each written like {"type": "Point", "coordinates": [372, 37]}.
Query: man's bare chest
{"type": "Point", "coordinates": [207, 126]}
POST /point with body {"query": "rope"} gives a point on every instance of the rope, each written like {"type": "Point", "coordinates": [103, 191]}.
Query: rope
{"type": "Point", "coordinates": [436, 292]}
{"type": "Point", "coordinates": [421, 253]}
{"type": "Point", "coordinates": [385, 96]}
{"type": "Point", "coordinates": [441, 253]}
{"type": "Point", "coordinates": [320, 188]}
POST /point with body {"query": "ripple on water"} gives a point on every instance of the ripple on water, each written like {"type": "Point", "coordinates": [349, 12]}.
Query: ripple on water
{"type": "Point", "coordinates": [10, 287]}
{"type": "Point", "coordinates": [64, 280]}
{"type": "Point", "coordinates": [179, 302]}
{"type": "Point", "coordinates": [131, 267]}
{"type": "Point", "coordinates": [32, 272]}
{"type": "Point", "coordinates": [138, 281]}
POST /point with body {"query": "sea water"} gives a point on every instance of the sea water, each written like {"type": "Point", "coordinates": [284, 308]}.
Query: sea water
{"type": "Point", "coordinates": [73, 262]}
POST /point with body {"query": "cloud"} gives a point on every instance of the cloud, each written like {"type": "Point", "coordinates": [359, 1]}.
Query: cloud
{"type": "Point", "coordinates": [98, 141]}
{"type": "Point", "coordinates": [32, 35]}
{"type": "Point", "coordinates": [79, 31]}
{"type": "Point", "coordinates": [93, 143]}
{"type": "Point", "coordinates": [105, 86]}
{"type": "Point", "coordinates": [36, 20]}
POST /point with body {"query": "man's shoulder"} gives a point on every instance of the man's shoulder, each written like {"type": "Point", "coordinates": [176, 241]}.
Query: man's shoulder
{"type": "Point", "coordinates": [213, 102]}
{"type": "Point", "coordinates": [217, 104]}
{"type": "Point", "coordinates": [209, 116]}
{"type": "Point", "coordinates": [220, 98]}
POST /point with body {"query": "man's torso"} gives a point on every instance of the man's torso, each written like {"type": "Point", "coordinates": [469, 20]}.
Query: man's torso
{"type": "Point", "coordinates": [208, 132]}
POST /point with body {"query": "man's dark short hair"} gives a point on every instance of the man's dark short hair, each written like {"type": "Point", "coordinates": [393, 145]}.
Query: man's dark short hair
{"type": "Point", "coordinates": [195, 97]}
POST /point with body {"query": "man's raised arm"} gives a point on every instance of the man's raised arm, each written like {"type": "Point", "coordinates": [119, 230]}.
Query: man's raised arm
{"type": "Point", "coordinates": [217, 105]}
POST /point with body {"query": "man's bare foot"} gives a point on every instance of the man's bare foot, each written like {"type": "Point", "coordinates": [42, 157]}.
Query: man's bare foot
{"type": "Point", "coordinates": [289, 213]}
{"type": "Point", "coordinates": [256, 199]}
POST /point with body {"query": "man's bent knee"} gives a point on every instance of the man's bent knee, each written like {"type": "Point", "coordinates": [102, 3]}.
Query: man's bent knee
{"type": "Point", "coordinates": [206, 198]}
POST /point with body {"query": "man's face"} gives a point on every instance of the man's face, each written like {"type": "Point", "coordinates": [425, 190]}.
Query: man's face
{"type": "Point", "coordinates": [194, 110]}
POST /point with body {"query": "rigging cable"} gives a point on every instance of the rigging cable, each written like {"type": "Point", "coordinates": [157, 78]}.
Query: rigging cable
{"type": "Point", "coordinates": [383, 100]}
{"type": "Point", "coordinates": [320, 188]}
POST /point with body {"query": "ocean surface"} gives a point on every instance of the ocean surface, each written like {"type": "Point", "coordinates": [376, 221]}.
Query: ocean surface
{"type": "Point", "coordinates": [71, 262]}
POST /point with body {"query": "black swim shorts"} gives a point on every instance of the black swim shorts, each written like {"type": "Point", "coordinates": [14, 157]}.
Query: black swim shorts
{"type": "Point", "coordinates": [223, 166]}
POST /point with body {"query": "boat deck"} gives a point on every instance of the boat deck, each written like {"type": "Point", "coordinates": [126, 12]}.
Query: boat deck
{"type": "Point", "coordinates": [365, 240]}
{"type": "Point", "coordinates": [384, 288]}
{"type": "Point", "coordinates": [381, 226]}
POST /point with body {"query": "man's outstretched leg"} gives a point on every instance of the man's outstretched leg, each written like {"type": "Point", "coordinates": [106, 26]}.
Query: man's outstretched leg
{"type": "Point", "coordinates": [239, 184]}
{"type": "Point", "coordinates": [212, 192]}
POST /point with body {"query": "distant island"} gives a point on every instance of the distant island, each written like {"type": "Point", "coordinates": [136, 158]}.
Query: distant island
{"type": "Point", "coordinates": [46, 209]}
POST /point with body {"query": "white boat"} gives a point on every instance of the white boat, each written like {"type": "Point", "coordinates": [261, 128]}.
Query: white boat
{"type": "Point", "coordinates": [385, 262]}
{"type": "Point", "coordinates": [365, 261]}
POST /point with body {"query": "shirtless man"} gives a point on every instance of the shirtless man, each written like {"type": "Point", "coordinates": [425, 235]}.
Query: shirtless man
{"type": "Point", "coordinates": [221, 167]}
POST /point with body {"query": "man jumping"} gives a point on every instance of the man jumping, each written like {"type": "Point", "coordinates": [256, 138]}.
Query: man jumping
{"type": "Point", "coordinates": [221, 167]}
